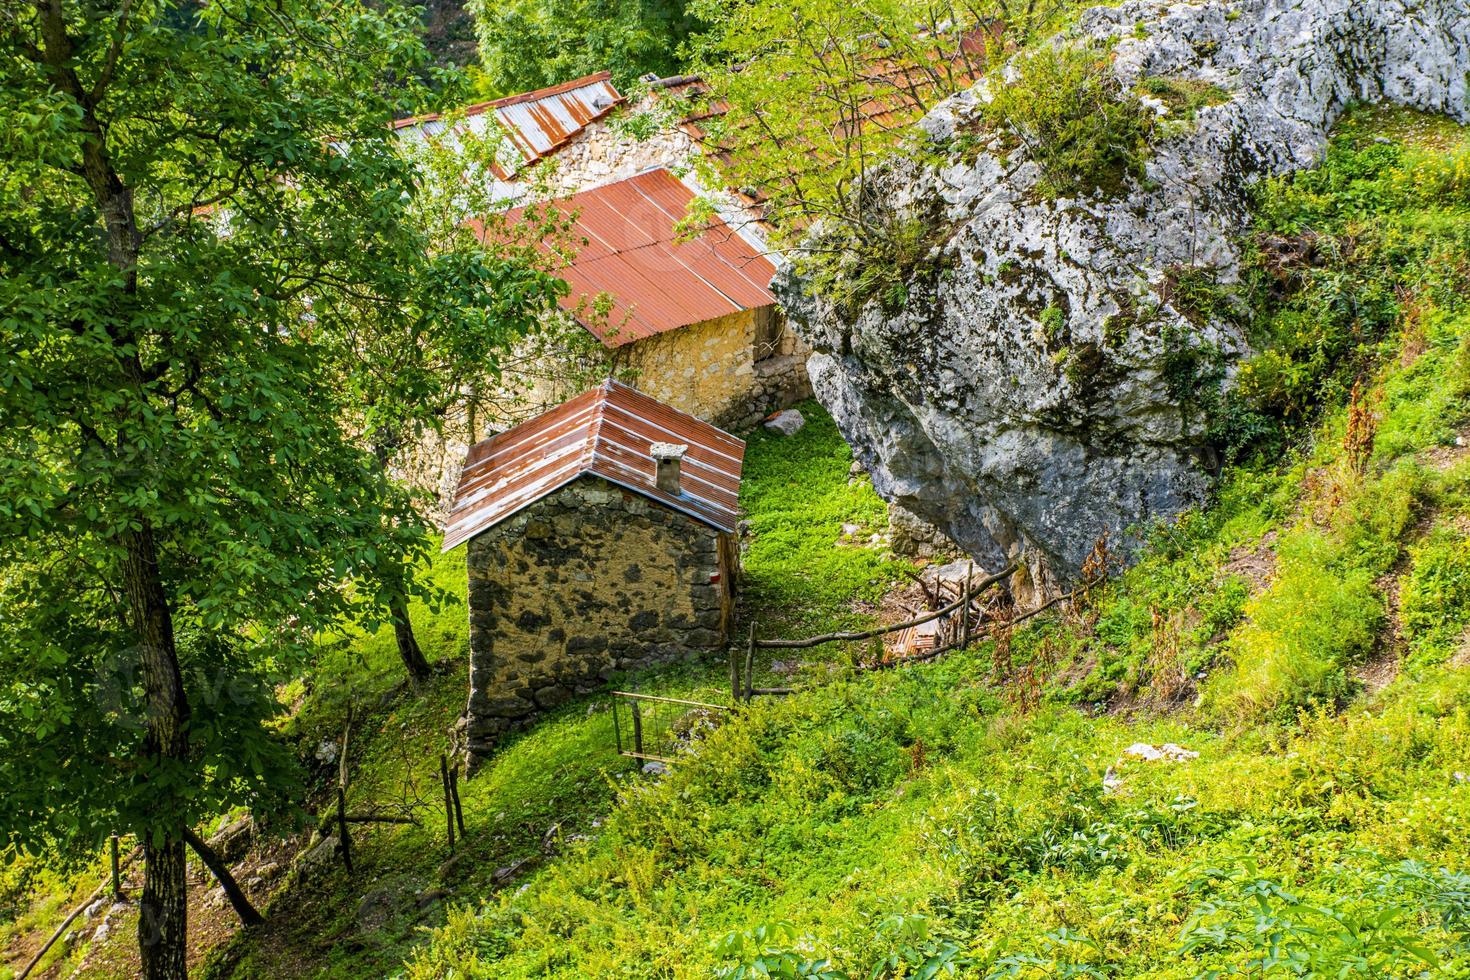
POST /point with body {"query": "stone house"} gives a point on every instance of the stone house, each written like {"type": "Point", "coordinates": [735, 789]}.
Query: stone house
{"type": "Point", "coordinates": [696, 324]}
{"type": "Point", "coordinates": [600, 537]}
{"type": "Point", "coordinates": [529, 127]}
{"type": "Point", "coordinates": [691, 322]}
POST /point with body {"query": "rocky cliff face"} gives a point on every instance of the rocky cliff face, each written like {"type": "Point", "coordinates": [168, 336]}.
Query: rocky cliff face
{"type": "Point", "coordinates": [1026, 398]}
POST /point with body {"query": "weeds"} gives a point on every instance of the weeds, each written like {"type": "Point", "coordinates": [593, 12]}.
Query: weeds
{"type": "Point", "coordinates": [1074, 118]}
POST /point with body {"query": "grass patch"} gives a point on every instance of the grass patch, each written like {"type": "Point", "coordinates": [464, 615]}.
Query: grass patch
{"type": "Point", "coordinates": [1434, 599]}
{"type": "Point", "coordinates": [1183, 96]}
{"type": "Point", "coordinates": [800, 575]}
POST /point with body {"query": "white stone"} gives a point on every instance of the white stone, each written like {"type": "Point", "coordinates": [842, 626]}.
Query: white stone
{"type": "Point", "coordinates": [787, 423]}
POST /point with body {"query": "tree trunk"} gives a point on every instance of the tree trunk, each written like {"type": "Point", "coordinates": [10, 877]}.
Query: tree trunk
{"type": "Point", "coordinates": [408, 645]}
{"type": "Point", "coordinates": [409, 650]}
{"type": "Point", "coordinates": [221, 871]}
{"type": "Point", "coordinates": [163, 909]}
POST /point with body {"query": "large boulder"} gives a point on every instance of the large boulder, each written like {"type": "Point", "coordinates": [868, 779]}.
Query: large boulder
{"type": "Point", "coordinates": [1031, 392]}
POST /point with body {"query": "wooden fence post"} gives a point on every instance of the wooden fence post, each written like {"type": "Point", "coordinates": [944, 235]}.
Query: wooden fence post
{"type": "Point", "coordinates": [448, 800]}
{"type": "Point", "coordinates": [750, 662]}
{"type": "Point", "coordinates": [637, 728]}
{"type": "Point", "coordinates": [735, 674]}
{"type": "Point", "coordinates": [454, 790]}
{"type": "Point", "coordinates": [117, 893]}
{"type": "Point", "coordinates": [344, 839]}
{"type": "Point", "coordinates": [965, 613]}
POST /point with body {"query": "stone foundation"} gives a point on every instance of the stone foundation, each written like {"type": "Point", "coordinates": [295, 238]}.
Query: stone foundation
{"type": "Point", "coordinates": [589, 581]}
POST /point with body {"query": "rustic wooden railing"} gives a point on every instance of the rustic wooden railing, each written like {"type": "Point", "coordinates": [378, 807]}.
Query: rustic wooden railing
{"type": "Point", "coordinates": [657, 729]}
{"type": "Point", "coordinates": [741, 688]}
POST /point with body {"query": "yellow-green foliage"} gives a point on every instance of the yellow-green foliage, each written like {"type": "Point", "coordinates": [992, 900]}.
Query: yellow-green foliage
{"type": "Point", "coordinates": [814, 830]}
{"type": "Point", "coordinates": [1300, 635]}
{"type": "Point", "coordinates": [1074, 117]}
{"type": "Point", "coordinates": [1434, 599]}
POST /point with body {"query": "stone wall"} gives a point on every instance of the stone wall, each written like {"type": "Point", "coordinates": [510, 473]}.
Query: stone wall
{"type": "Point", "coordinates": [590, 580]}
{"type": "Point", "coordinates": [605, 152]}
{"type": "Point", "coordinates": [711, 370]}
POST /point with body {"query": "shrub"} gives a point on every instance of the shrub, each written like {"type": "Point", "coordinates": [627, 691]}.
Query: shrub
{"type": "Point", "coordinates": [1434, 597]}
{"type": "Point", "coordinates": [1074, 117]}
{"type": "Point", "coordinates": [877, 259]}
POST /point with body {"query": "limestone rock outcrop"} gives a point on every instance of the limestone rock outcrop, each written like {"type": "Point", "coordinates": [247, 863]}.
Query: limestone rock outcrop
{"type": "Point", "coordinates": [1021, 400]}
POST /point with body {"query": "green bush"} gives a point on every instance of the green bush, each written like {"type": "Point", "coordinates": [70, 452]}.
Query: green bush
{"type": "Point", "coordinates": [1077, 121]}
{"type": "Point", "coordinates": [1434, 597]}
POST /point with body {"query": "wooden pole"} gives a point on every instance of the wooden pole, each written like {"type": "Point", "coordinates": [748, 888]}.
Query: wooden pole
{"type": "Point", "coordinates": [344, 839]}
{"type": "Point", "coordinates": [812, 641]}
{"type": "Point", "coordinates": [735, 674]}
{"type": "Point", "coordinates": [965, 609]}
{"type": "Point", "coordinates": [637, 727]}
{"type": "Point", "coordinates": [448, 800]}
{"type": "Point", "coordinates": [454, 791]}
{"type": "Point", "coordinates": [117, 892]}
{"type": "Point", "coordinates": [750, 662]}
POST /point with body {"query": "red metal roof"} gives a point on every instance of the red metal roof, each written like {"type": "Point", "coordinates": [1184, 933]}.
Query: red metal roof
{"type": "Point", "coordinates": [606, 432]}
{"type": "Point", "coordinates": [656, 283]}
{"type": "Point", "coordinates": [541, 122]}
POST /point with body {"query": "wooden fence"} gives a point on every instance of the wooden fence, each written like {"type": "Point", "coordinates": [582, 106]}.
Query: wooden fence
{"type": "Point", "coordinates": [956, 635]}
{"type": "Point", "coordinates": [657, 729]}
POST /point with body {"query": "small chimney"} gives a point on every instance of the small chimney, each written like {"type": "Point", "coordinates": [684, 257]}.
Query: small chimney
{"type": "Point", "coordinates": [667, 457]}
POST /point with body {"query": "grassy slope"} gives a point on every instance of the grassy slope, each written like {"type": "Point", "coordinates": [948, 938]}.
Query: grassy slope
{"type": "Point", "coordinates": [561, 774]}
{"type": "Point", "coordinates": [1306, 635]}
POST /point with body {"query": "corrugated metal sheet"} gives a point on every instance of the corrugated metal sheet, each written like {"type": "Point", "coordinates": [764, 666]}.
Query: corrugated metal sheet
{"type": "Point", "coordinates": [656, 283]}
{"type": "Point", "coordinates": [537, 123]}
{"type": "Point", "coordinates": [607, 432]}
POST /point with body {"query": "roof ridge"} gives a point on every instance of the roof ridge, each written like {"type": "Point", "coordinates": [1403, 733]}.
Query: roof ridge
{"type": "Point", "coordinates": [594, 428]}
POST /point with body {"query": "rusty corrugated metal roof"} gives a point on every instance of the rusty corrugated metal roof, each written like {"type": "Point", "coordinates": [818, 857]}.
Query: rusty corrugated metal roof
{"type": "Point", "coordinates": [656, 283]}
{"type": "Point", "coordinates": [606, 432]}
{"type": "Point", "coordinates": [541, 122]}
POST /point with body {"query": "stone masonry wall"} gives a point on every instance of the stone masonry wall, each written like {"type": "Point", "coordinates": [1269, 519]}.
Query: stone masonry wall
{"type": "Point", "coordinates": [710, 370]}
{"type": "Point", "coordinates": [590, 580]}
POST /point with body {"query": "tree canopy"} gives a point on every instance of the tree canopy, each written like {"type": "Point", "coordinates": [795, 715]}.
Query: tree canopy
{"type": "Point", "coordinates": [530, 44]}
{"type": "Point", "coordinates": [197, 205]}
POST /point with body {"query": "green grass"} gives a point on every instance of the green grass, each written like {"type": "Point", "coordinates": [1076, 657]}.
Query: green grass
{"type": "Point", "coordinates": [798, 578]}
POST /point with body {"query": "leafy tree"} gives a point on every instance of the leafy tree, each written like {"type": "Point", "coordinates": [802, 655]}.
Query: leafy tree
{"type": "Point", "coordinates": [412, 360]}
{"type": "Point", "coordinates": [196, 202]}
{"type": "Point", "coordinates": [816, 93]}
{"type": "Point", "coordinates": [529, 44]}
{"type": "Point", "coordinates": [809, 98]}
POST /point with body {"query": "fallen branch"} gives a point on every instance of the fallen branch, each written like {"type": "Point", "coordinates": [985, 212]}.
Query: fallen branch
{"type": "Point", "coordinates": [377, 818]}
{"type": "Point", "coordinates": [1052, 602]}
{"type": "Point", "coordinates": [940, 651]}
{"type": "Point", "coordinates": [248, 914]}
